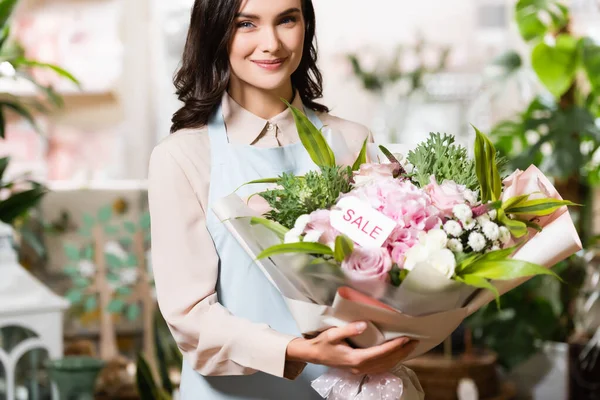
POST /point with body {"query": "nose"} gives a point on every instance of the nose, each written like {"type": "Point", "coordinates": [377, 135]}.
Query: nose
{"type": "Point", "coordinates": [269, 42]}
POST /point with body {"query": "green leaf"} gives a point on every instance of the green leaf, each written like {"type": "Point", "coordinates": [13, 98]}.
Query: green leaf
{"type": "Point", "coordinates": [533, 225]}
{"type": "Point", "coordinates": [556, 65]}
{"type": "Point", "coordinates": [105, 214]}
{"type": "Point", "coordinates": [111, 230]}
{"type": "Point", "coordinates": [130, 227]}
{"type": "Point", "coordinates": [507, 269]}
{"type": "Point", "coordinates": [530, 19]}
{"type": "Point", "coordinates": [482, 283]}
{"type": "Point", "coordinates": [486, 168]}
{"type": "Point", "coordinates": [310, 248]}
{"type": "Point", "coordinates": [71, 271]}
{"type": "Point", "coordinates": [88, 252]}
{"type": "Point", "coordinates": [591, 62]}
{"type": "Point", "coordinates": [90, 303]}
{"type": "Point", "coordinates": [88, 221]}
{"type": "Point", "coordinates": [3, 165]}
{"type": "Point", "coordinates": [312, 139]}
{"type": "Point", "coordinates": [6, 10]}
{"type": "Point", "coordinates": [273, 226]}
{"type": "Point", "coordinates": [539, 207]}
{"type": "Point", "coordinates": [18, 204]}
{"type": "Point", "coordinates": [343, 248]}
{"type": "Point", "coordinates": [510, 61]}
{"type": "Point", "coordinates": [22, 111]}
{"type": "Point", "coordinates": [513, 201]}
{"type": "Point", "coordinates": [116, 306]}
{"type": "Point", "coordinates": [36, 64]}
{"type": "Point", "coordinates": [517, 228]}
{"type": "Point", "coordinates": [133, 312]}
{"type": "Point", "coordinates": [74, 296]}
{"type": "Point", "coordinates": [113, 261]}
{"type": "Point", "coordinates": [2, 127]}
{"type": "Point", "coordinates": [389, 155]}
{"type": "Point", "coordinates": [72, 252]}
{"type": "Point", "coordinates": [123, 291]}
{"type": "Point", "coordinates": [362, 157]}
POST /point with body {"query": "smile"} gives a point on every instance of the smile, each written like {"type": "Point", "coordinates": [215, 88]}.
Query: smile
{"type": "Point", "coordinates": [270, 65]}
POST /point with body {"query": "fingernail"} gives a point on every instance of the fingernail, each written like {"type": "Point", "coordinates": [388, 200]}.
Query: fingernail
{"type": "Point", "coordinates": [361, 326]}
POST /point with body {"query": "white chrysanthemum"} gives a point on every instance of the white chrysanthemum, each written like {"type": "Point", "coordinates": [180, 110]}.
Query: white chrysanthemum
{"type": "Point", "coordinates": [491, 230]}
{"type": "Point", "coordinates": [462, 212]}
{"type": "Point", "coordinates": [469, 225]}
{"type": "Point", "coordinates": [292, 236]}
{"type": "Point", "coordinates": [301, 222]}
{"type": "Point", "coordinates": [504, 235]}
{"type": "Point", "coordinates": [312, 236]}
{"type": "Point", "coordinates": [495, 246]}
{"type": "Point", "coordinates": [493, 214]}
{"type": "Point", "coordinates": [455, 245]}
{"type": "Point", "coordinates": [482, 219]}
{"type": "Point", "coordinates": [453, 228]}
{"type": "Point", "coordinates": [477, 241]}
{"type": "Point", "coordinates": [470, 196]}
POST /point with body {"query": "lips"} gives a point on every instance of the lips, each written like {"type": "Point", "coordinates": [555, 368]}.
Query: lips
{"type": "Point", "coordinates": [270, 64]}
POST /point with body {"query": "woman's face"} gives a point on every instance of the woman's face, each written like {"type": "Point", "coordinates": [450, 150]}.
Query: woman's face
{"type": "Point", "coordinates": [268, 42]}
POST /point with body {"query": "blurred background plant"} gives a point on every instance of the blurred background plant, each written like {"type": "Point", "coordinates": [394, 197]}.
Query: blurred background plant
{"type": "Point", "coordinates": [20, 194]}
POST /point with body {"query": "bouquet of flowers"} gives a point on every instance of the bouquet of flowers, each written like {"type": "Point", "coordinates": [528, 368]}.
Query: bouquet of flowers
{"type": "Point", "coordinates": [413, 243]}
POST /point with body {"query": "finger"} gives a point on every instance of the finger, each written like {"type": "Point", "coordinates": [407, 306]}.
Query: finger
{"type": "Point", "coordinates": [370, 353]}
{"type": "Point", "coordinates": [388, 362]}
{"type": "Point", "coordinates": [345, 332]}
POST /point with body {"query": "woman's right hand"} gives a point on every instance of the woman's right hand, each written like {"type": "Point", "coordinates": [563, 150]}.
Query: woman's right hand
{"type": "Point", "coordinates": [331, 349]}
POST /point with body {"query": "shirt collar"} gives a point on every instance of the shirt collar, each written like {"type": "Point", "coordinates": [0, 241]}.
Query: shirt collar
{"type": "Point", "coordinates": [243, 127]}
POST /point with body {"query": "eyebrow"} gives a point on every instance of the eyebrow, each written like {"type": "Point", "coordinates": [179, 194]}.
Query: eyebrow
{"type": "Point", "coordinates": [252, 16]}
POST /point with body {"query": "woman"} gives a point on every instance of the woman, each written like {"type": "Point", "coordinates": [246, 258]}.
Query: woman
{"type": "Point", "coordinates": [238, 339]}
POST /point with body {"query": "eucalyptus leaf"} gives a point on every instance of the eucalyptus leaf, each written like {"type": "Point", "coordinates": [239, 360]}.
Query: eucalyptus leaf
{"type": "Point", "coordinates": [130, 227]}
{"type": "Point", "coordinates": [113, 261]}
{"type": "Point", "coordinates": [91, 303]}
{"type": "Point", "coordinates": [74, 295]}
{"type": "Point", "coordinates": [145, 220]}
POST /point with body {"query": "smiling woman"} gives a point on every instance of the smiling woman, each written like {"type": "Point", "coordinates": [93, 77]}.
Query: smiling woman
{"type": "Point", "coordinates": [237, 335]}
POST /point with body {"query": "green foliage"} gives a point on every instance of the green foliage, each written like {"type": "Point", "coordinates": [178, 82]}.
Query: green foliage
{"type": "Point", "coordinates": [439, 156]}
{"type": "Point", "coordinates": [296, 196]}
{"type": "Point", "coordinates": [490, 183]}
{"type": "Point", "coordinates": [532, 17]}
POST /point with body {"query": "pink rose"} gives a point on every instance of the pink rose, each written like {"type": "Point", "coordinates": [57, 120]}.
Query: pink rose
{"type": "Point", "coordinates": [446, 195]}
{"type": "Point", "coordinates": [400, 241]}
{"type": "Point", "coordinates": [368, 270]}
{"type": "Point", "coordinates": [369, 173]}
{"type": "Point", "coordinates": [532, 180]}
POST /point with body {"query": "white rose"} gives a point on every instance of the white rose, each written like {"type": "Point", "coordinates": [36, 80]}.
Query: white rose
{"type": "Point", "coordinates": [444, 262]}
{"type": "Point", "coordinates": [416, 254]}
{"type": "Point", "coordinates": [477, 241]}
{"type": "Point", "coordinates": [292, 236]}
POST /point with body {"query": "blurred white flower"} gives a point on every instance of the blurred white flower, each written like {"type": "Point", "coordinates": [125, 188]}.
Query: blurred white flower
{"type": "Point", "coordinates": [470, 224]}
{"type": "Point", "coordinates": [482, 219]}
{"type": "Point", "coordinates": [444, 262]}
{"type": "Point", "coordinates": [301, 222]}
{"type": "Point", "coordinates": [87, 269]}
{"type": "Point", "coordinates": [453, 228]}
{"type": "Point", "coordinates": [470, 196]}
{"type": "Point", "coordinates": [455, 245]}
{"type": "Point", "coordinates": [493, 214]}
{"type": "Point", "coordinates": [491, 230]}
{"type": "Point", "coordinates": [312, 236]}
{"type": "Point", "coordinates": [505, 235]}
{"type": "Point", "coordinates": [477, 241]}
{"type": "Point", "coordinates": [292, 236]}
{"type": "Point", "coordinates": [427, 250]}
{"type": "Point", "coordinates": [128, 276]}
{"type": "Point", "coordinates": [462, 212]}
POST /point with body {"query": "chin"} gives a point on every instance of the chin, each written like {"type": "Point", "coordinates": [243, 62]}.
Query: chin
{"type": "Point", "coordinates": [272, 82]}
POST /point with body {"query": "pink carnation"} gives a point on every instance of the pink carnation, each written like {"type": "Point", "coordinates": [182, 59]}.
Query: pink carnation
{"type": "Point", "coordinates": [320, 221]}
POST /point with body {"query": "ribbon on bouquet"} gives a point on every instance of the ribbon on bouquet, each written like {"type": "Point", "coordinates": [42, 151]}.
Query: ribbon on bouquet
{"type": "Point", "coordinates": [337, 384]}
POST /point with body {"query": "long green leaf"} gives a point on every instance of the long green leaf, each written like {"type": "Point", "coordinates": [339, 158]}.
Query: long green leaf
{"type": "Point", "coordinates": [312, 139]}
{"type": "Point", "coordinates": [6, 9]}
{"type": "Point", "coordinates": [273, 226]}
{"type": "Point", "coordinates": [36, 64]}
{"type": "Point", "coordinates": [481, 165]}
{"type": "Point", "coordinates": [22, 111]}
{"type": "Point", "coordinates": [539, 207]}
{"type": "Point", "coordinates": [258, 181]}
{"type": "Point", "coordinates": [513, 201]}
{"type": "Point", "coordinates": [517, 228]}
{"type": "Point", "coordinates": [343, 247]}
{"type": "Point", "coordinates": [3, 165]}
{"type": "Point", "coordinates": [495, 181]}
{"type": "Point", "coordinates": [308, 248]}
{"type": "Point", "coordinates": [481, 283]}
{"type": "Point", "coordinates": [507, 269]}
{"type": "Point", "coordinates": [362, 157]}
{"type": "Point", "coordinates": [18, 204]}
{"type": "Point", "coordinates": [389, 155]}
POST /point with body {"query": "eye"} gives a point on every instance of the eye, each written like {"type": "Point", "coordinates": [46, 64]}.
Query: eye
{"type": "Point", "coordinates": [245, 25]}
{"type": "Point", "coordinates": [288, 20]}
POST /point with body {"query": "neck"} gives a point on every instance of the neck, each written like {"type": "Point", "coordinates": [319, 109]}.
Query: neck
{"type": "Point", "coordinates": [263, 103]}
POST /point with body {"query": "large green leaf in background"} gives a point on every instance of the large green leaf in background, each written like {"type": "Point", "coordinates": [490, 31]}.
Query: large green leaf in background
{"type": "Point", "coordinates": [591, 62]}
{"type": "Point", "coordinates": [556, 65]}
{"type": "Point", "coordinates": [536, 17]}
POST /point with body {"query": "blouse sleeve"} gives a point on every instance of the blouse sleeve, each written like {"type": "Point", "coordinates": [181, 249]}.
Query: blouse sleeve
{"type": "Point", "coordinates": [185, 266]}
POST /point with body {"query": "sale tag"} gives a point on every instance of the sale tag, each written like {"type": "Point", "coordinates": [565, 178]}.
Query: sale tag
{"type": "Point", "coordinates": [361, 222]}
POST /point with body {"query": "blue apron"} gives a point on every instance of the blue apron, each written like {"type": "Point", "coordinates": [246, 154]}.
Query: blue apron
{"type": "Point", "coordinates": [242, 287]}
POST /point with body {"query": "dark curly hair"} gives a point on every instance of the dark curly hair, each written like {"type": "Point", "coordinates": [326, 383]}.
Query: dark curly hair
{"type": "Point", "coordinates": [204, 73]}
